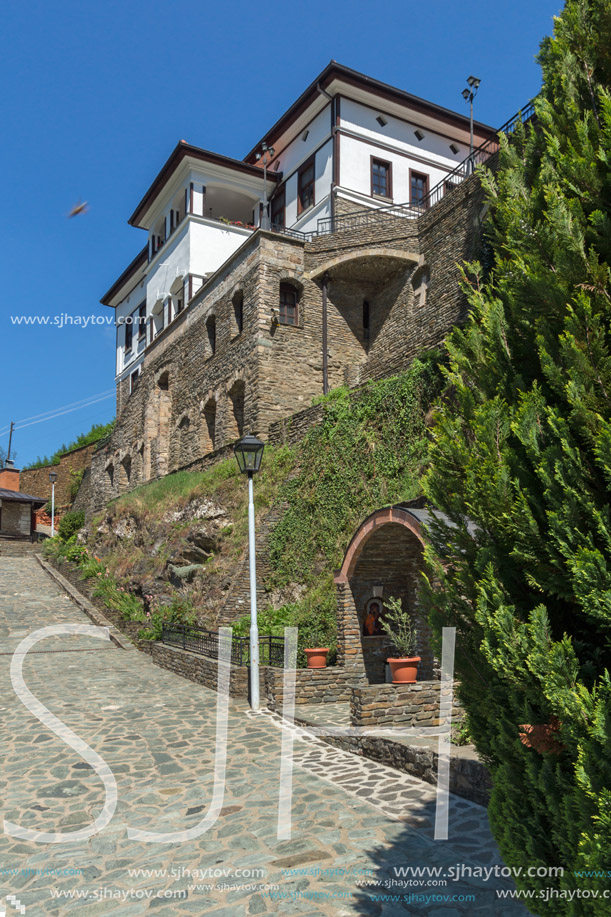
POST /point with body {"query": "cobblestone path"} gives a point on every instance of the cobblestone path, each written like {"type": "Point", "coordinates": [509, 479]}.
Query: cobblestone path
{"type": "Point", "coordinates": [353, 820]}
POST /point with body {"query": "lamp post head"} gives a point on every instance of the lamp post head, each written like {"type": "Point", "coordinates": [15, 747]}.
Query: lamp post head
{"type": "Point", "coordinates": [473, 82]}
{"type": "Point", "coordinates": [249, 453]}
{"type": "Point", "coordinates": [265, 149]}
{"type": "Point", "coordinates": [466, 94]}
{"type": "Point", "coordinates": [53, 476]}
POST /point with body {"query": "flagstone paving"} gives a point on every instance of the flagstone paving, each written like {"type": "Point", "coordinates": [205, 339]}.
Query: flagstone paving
{"type": "Point", "coordinates": [352, 819]}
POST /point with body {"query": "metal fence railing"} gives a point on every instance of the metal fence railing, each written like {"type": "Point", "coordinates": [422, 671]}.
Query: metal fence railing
{"type": "Point", "coordinates": [292, 233]}
{"type": "Point", "coordinates": [198, 639]}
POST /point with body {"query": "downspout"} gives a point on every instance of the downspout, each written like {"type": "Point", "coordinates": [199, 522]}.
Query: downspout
{"type": "Point", "coordinates": [325, 357]}
{"type": "Point", "coordinates": [334, 126]}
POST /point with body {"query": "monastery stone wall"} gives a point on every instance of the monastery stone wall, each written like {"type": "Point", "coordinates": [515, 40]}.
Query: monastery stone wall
{"type": "Point", "coordinates": [191, 403]}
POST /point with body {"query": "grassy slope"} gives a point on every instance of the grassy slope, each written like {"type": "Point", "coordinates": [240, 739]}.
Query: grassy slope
{"type": "Point", "coordinates": [368, 452]}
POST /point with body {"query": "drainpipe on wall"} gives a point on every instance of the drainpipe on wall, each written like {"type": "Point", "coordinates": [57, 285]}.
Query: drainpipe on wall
{"type": "Point", "coordinates": [333, 101]}
{"type": "Point", "coordinates": [325, 360]}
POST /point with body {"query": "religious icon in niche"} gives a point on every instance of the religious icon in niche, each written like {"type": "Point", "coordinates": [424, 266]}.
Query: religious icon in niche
{"type": "Point", "coordinates": [373, 614]}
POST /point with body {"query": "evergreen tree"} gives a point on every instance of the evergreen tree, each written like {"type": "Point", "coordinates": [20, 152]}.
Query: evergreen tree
{"type": "Point", "coordinates": [522, 449]}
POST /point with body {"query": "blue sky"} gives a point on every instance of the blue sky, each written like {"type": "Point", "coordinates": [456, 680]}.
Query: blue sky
{"type": "Point", "coordinates": [95, 96]}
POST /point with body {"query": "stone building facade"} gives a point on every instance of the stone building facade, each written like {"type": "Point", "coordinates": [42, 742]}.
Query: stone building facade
{"type": "Point", "coordinates": [228, 365]}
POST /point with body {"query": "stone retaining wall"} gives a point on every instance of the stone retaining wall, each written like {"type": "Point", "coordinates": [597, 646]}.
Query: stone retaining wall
{"type": "Point", "coordinates": [201, 669]}
{"type": "Point", "coordinates": [36, 480]}
{"type": "Point", "coordinates": [469, 778]}
{"type": "Point", "coordinates": [312, 686]}
{"type": "Point", "coordinates": [400, 705]}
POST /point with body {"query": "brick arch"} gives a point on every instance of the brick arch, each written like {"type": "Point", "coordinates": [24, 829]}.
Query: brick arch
{"type": "Point", "coordinates": [405, 258]}
{"type": "Point", "coordinates": [373, 523]}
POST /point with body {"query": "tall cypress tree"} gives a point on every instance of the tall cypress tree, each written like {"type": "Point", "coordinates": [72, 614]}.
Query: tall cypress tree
{"type": "Point", "coordinates": [522, 449]}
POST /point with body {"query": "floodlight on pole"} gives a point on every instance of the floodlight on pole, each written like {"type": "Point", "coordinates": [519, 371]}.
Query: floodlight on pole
{"type": "Point", "coordinates": [468, 95]}
{"type": "Point", "coordinates": [266, 151]}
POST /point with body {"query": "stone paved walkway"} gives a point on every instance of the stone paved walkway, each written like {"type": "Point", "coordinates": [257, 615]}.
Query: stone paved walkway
{"type": "Point", "coordinates": [156, 732]}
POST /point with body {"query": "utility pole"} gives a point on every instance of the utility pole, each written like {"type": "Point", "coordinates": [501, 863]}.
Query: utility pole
{"type": "Point", "coordinates": [10, 440]}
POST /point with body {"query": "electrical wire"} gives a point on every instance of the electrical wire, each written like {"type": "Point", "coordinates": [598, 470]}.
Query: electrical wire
{"type": "Point", "coordinates": [61, 413]}
{"type": "Point", "coordinates": [58, 412]}
{"type": "Point", "coordinates": [109, 391]}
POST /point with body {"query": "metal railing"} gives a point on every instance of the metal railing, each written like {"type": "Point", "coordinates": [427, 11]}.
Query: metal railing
{"type": "Point", "coordinates": [292, 233]}
{"type": "Point", "coordinates": [198, 639]}
{"type": "Point", "coordinates": [362, 218]}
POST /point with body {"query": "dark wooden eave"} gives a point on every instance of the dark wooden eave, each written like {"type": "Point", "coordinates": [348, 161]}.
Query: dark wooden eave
{"type": "Point", "coordinates": [384, 91]}
{"type": "Point", "coordinates": [132, 269]}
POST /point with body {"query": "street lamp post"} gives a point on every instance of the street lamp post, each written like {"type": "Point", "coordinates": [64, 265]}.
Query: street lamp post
{"type": "Point", "coordinates": [266, 151]}
{"type": "Point", "coordinates": [468, 95]}
{"type": "Point", "coordinates": [53, 479]}
{"type": "Point", "coordinates": [249, 453]}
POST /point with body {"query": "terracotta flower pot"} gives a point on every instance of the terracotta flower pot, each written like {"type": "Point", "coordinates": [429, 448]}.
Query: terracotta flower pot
{"type": "Point", "coordinates": [317, 658]}
{"type": "Point", "coordinates": [404, 671]}
{"type": "Point", "coordinates": [542, 737]}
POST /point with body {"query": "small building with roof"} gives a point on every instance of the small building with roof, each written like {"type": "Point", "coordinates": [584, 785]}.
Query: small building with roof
{"type": "Point", "coordinates": [17, 509]}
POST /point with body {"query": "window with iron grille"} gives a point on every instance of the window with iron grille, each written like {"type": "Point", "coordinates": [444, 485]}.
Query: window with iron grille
{"type": "Point", "coordinates": [305, 195]}
{"type": "Point", "coordinates": [419, 188]}
{"type": "Point", "coordinates": [287, 313]}
{"type": "Point", "coordinates": [381, 173]}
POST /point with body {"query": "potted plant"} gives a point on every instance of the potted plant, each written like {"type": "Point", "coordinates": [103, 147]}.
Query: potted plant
{"type": "Point", "coordinates": [317, 658]}
{"type": "Point", "coordinates": [400, 627]}
{"type": "Point", "coordinates": [543, 737]}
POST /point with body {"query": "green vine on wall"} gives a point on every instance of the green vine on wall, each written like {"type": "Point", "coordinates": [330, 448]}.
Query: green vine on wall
{"type": "Point", "coordinates": [369, 451]}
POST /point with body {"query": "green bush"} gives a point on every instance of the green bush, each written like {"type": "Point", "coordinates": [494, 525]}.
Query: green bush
{"type": "Point", "coordinates": [522, 451]}
{"type": "Point", "coordinates": [314, 617]}
{"type": "Point", "coordinates": [51, 547]}
{"type": "Point", "coordinates": [77, 553]}
{"type": "Point", "coordinates": [76, 478]}
{"type": "Point", "coordinates": [116, 598]}
{"type": "Point", "coordinates": [91, 566]}
{"type": "Point", "coordinates": [70, 524]}
{"type": "Point", "coordinates": [179, 611]}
